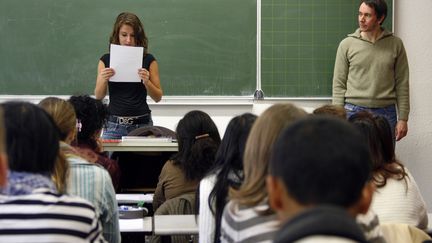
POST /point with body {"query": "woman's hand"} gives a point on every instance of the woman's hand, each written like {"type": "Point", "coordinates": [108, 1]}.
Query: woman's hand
{"type": "Point", "coordinates": [103, 75]}
{"type": "Point", "coordinates": [106, 73]}
{"type": "Point", "coordinates": [144, 75]}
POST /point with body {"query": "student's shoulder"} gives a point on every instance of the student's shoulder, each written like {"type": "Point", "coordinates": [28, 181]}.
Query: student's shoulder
{"type": "Point", "coordinates": [46, 196]}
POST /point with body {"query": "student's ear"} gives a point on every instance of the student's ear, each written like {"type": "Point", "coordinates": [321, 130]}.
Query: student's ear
{"type": "Point", "coordinates": [275, 192]}
{"type": "Point", "coordinates": [3, 169]}
{"type": "Point", "coordinates": [365, 200]}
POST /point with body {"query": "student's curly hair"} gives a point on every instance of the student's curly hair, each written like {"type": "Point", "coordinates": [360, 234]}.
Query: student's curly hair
{"type": "Point", "coordinates": [92, 114]}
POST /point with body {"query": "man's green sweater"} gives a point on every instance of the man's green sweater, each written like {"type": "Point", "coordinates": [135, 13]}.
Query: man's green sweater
{"type": "Point", "coordinates": [372, 75]}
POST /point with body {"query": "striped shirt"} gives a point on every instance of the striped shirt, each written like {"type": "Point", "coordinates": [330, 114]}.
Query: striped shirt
{"type": "Point", "coordinates": [92, 182]}
{"type": "Point", "coordinates": [45, 216]}
{"type": "Point", "coordinates": [243, 224]}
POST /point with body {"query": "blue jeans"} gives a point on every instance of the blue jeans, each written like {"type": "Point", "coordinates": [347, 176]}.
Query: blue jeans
{"type": "Point", "coordinates": [114, 130]}
{"type": "Point", "coordinates": [389, 112]}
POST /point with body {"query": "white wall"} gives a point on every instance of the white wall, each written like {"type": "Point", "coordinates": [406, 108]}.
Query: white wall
{"type": "Point", "coordinates": [412, 20]}
{"type": "Point", "coordinates": [412, 24]}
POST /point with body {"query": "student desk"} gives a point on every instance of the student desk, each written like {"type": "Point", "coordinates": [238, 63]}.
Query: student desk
{"type": "Point", "coordinates": [175, 224]}
{"type": "Point", "coordinates": [161, 225]}
{"type": "Point", "coordinates": [140, 147]}
{"type": "Point", "coordinates": [140, 162]}
{"type": "Point", "coordinates": [144, 225]}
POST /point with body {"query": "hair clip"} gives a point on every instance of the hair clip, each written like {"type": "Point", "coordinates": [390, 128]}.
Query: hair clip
{"type": "Point", "coordinates": [202, 136]}
{"type": "Point", "coordinates": [78, 125]}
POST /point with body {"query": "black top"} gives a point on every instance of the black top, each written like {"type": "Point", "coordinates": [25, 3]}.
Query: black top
{"type": "Point", "coordinates": [320, 221]}
{"type": "Point", "coordinates": [128, 98]}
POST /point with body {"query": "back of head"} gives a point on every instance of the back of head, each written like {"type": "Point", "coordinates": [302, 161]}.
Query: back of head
{"type": "Point", "coordinates": [92, 114]}
{"type": "Point", "coordinates": [365, 123]}
{"type": "Point", "coordinates": [32, 138]}
{"type": "Point", "coordinates": [258, 148]}
{"type": "Point", "coordinates": [231, 149]}
{"type": "Point", "coordinates": [63, 114]}
{"type": "Point", "coordinates": [331, 110]}
{"type": "Point", "coordinates": [385, 133]}
{"type": "Point", "coordinates": [377, 132]}
{"type": "Point", "coordinates": [322, 160]}
{"type": "Point", "coordinates": [198, 139]}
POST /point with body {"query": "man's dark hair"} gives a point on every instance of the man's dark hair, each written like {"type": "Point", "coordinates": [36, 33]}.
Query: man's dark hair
{"type": "Point", "coordinates": [32, 138]}
{"type": "Point", "coordinates": [380, 7]}
{"type": "Point", "coordinates": [322, 160]}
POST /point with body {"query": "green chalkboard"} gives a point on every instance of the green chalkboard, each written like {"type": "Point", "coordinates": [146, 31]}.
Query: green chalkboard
{"type": "Point", "coordinates": [299, 43]}
{"type": "Point", "coordinates": [52, 47]}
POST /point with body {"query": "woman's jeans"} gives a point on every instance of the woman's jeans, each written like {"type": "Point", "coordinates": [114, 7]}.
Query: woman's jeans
{"type": "Point", "coordinates": [115, 130]}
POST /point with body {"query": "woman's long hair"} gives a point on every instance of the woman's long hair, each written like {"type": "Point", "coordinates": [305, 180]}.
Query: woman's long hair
{"type": "Point", "coordinates": [198, 140]}
{"type": "Point", "coordinates": [229, 165]}
{"type": "Point", "coordinates": [378, 135]}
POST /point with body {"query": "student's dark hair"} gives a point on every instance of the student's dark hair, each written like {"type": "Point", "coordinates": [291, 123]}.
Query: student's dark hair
{"type": "Point", "coordinates": [92, 114]}
{"type": "Point", "coordinates": [322, 160]}
{"type": "Point", "coordinates": [377, 132]}
{"type": "Point", "coordinates": [198, 140]}
{"type": "Point", "coordinates": [133, 21]}
{"type": "Point", "coordinates": [380, 7]}
{"type": "Point", "coordinates": [229, 165]}
{"type": "Point", "coordinates": [32, 138]}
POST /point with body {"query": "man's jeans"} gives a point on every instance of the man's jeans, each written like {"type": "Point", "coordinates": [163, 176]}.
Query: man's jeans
{"type": "Point", "coordinates": [389, 112]}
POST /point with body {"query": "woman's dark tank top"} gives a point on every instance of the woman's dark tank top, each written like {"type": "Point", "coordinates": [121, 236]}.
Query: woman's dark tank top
{"type": "Point", "coordinates": [128, 98]}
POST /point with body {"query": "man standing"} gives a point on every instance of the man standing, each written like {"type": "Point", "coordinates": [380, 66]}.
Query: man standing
{"type": "Point", "coordinates": [371, 70]}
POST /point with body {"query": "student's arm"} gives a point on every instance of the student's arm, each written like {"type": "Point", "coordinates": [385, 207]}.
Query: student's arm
{"type": "Point", "coordinates": [151, 81]}
{"type": "Point", "coordinates": [104, 74]}
{"type": "Point", "coordinates": [159, 195]}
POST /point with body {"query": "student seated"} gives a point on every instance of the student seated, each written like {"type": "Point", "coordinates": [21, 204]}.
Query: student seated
{"type": "Point", "coordinates": [87, 180]}
{"type": "Point", "coordinates": [31, 209]}
{"type": "Point", "coordinates": [198, 140]}
{"type": "Point", "coordinates": [247, 217]}
{"type": "Point", "coordinates": [227, 172]}
{"type": "Point", "coordinates": [91, 115]}
{"type": "Point", "coordinates": [319, 181]}
{"type": "Point", "coordinates": [397, 198]}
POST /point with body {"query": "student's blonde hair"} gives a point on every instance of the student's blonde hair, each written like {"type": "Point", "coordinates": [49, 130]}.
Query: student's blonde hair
{"type": "Point", "coordinates": [63, 115]}
{"type": "Point", "coordinates": [257, 152]}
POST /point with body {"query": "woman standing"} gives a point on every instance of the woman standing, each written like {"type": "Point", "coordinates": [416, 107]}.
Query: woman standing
{"type": "Point", "coordinates": [128, 100]}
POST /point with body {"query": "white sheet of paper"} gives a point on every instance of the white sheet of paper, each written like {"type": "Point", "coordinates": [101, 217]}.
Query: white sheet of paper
{"type": "Point", "coordinates": [126, 60]}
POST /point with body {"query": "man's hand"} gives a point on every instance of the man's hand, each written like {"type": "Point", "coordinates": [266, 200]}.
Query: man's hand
{"type": "Point", "coordinates": [401, 129]}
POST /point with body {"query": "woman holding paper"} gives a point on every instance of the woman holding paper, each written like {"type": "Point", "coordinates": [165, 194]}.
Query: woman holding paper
{"type": "Point", "coordinates": [128, 106]}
